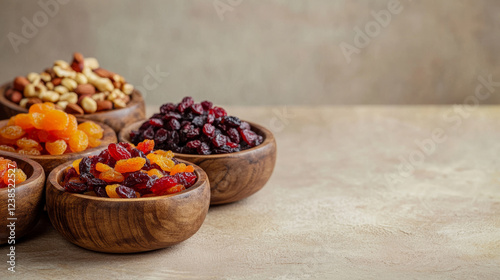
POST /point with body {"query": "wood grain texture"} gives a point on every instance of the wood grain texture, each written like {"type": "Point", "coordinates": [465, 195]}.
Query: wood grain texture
{"type": "Point", "coordinates": [115, 225]}
{"type": "Point", "coordinates": [233, 176]}
{"type": "Point", "coordinates": [28, 200]}
{"type": "Point", "coordinates": [116, 119]}
{"type": "Point", "coordinates": [49, 162]}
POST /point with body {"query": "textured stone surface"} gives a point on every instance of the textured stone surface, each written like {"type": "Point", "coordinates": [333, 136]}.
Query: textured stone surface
{"type": "Point", "coordinates": [271, 52]}
{"type": "Point", "coordinates": [328, 211]}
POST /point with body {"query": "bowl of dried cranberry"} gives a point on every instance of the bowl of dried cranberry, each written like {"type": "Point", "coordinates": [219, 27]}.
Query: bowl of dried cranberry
{"type": "Point", "coordinates": [127, 199]}
{"type": "Point", "coordinates": [238, 156]}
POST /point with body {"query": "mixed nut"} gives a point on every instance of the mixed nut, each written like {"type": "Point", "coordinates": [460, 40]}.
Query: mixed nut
{"type": "Point", "coordinates": [80, 87]}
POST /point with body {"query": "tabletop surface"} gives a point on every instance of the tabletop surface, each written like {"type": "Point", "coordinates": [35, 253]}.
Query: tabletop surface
{"type": "Point", "coordinates": [363, 192]}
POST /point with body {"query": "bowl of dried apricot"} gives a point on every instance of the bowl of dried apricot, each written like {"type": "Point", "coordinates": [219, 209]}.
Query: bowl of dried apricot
{"type": "Point", "coordinates": [238, 156]}
{"type": "Point", "coordinates": [51, 137]}
{"type": "Point", "coordinates": [22, 183]}
{"type": "Point", "coordinates": [127, 199]}
{"type": "Point", "coordinates": [81, 87]}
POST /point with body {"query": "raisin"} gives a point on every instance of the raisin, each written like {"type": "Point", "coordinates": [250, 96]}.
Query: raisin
{"type": "Point", "coordinates": [204, 149]}
{"type": "Point", "coordinates": [84, 165]}
{"type": "Point", "coordinates": [156, 122]}
{"type": "Point", "coordinates": [75, 187]}
{"type": "Point", "coordinates": [118, 152]}
{"type": "Point", "coordinates": [111, 191]}
{"type": "Point", "coordinates": [101, 167]}
{"type": "Point", "coordinates": [161, 185]}
{"type": "Point", "coordinates": [187, 178]}
{"type": "Point", "coordinates": [125, 192]}
{"type": "Point", "coordinates": [231, 121]}
{"type": "Point", "coordinates": [149, 133]}
{"type": "Point", "coordinates": [130, 165]}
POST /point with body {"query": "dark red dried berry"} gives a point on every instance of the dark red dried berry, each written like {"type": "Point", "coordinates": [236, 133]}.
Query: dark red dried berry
{"type": "Point", "coordinates": [186, 178]}
{"type": "Point", "coordinates": [125, 192]}
{"type": "Point", "coordinates": [165, 108]}
{"type": "Point", "coordinates": [207, 105]}
{"type": "Point", "coordinates": [173, 124]}
{"type": "Point", "coordinates": [219, 112]}
{"type": "Point", "coordinates": [204, 149]}
{"type": "Point", "coordinates": [249, 137]}
{"type": "Point", "coordinates": [197, 109]}
{"type": "Point", "coordinates": [156, 122]}
{"type": "Point", "coordinates": [231, 121]}
{"type": "Point", "coordinates": [193, 144]}
{"type": "Point", "coordinates": [161, 185]}
{"type": "Point", "coordinates": [234, 135]}
{"type": "Point", "coordinates": [85, 165]}
{"type": "Point", "coordinates": [219, 140]}
{"type": "Point", "coordinates": [209, 130]}
{"type": "Point", "coordinates": [118, 152]}
{"type": "Point", "coordinates": [74, 187]}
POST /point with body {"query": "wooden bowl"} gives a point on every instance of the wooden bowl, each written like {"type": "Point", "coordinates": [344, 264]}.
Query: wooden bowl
{"type": "Point", "coordinates": [232, 176]}
{"type": "Point", "coordinates": [28, 199]}
{"type": "Point", "coordinates": [49, 162]}
{"type": "Point", "coordinates": [127, 225]}
{"type": "Point", "coordinates": [116, 119]}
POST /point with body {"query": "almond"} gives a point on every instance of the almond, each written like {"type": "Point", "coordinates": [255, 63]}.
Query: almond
{"type": "Point", "coordinates": [104, 105]}
{"type": "Point", "coordinates": [104, 73]}
{"type": "Point", "coordinates": [77, 63]}
{"type": "Point", "coordinates": [16, 97]}
{"type": "Point", "coordinates": [74, 109]}
{"type": "Point", "coordinates": [33, 101]}
{"type": "Point", "coordinates": [56, 81]}
{"type": "Point", "coordinates": [20, 82]}
{"type": "Point", "coordinates": [86, 89]}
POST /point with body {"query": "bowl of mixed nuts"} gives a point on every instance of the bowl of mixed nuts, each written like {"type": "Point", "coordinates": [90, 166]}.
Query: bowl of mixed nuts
{"type": "Point", "coordinates": [81, 88]}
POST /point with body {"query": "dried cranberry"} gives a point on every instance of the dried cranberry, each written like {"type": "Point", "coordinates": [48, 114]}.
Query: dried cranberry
{"type": "Point", "coordinates": [245, 126]}
{"type": "Point", "coordinates": [197, 109]}
{"type": "Point", "coordinates": [231, 121]}
{"type": "Point", "coordinates": [210, 118]}
{"type": "Point", "coordinates": [118, 152]}
{"type": "Point", "coordinates": [234, 135]}
{"type": "Point", "coordinates": [172, 115]}
{"type": "Point", "coordinates": [125, 192]}
{"type": "Point", "coordinates": [186, 178]}
{"type": "Point", "coordinates": [192, 133]}
{"type": "Point", "coordinates": [209, 130]}
{"type": "Point", "coordinates": [173, 124]}
{"type": "Point", "coordinates": [249, 137]}
{"type": "Point", "coordinates": [149, 133]}
{"type": "Point", "coordinates": [198, 121]}
{"type": "Point", "coordinates": [161, 136]}
{"type": "Point", "coordinates": [219, 112]}
{"type": "Point", "coordinates": [161, 185]}
{"type": "Point", "coordinates": [101, 191]}
{"type": "Point", "coordinates": [70, 174]}
{"type": "Point", "coordinates": [207, 105]}
{"type": "Point", "coordinates": [165, 108]}
{"type": "Point", "coordinates": [219, 140]}
{"type": "Point", "coordinates": [194, 144]}
{"type": "Point", "coordinates": [156, 122]}
{"type": "Point", "coordinates": [204, 149]}
{"type": "Point", "coordinates": [188, 100]}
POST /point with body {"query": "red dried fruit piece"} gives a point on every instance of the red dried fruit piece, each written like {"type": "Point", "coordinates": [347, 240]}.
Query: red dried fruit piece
{"type": "Point", "coordinates": [161, 185]}
{"type": "Point", "coordinates": [249, 137]}
{"type": "Point", "coordinates": [118, 152]}
{"type": "Point", "coordinates": [130, 165]}
{"type": "Point", "coordinates": [219, 112]}
{"type": "Point", "coordinates": [146, 146]}
{"type": "Point", "coordinates": [56, 148]}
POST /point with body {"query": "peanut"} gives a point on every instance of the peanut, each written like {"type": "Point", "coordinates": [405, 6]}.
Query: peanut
{"type": "Point", "coordinates": [49, 85]}
{"type": "Point", "coordinates": [71, 97]}
{"type": "Point", "coordinates": [81, 79]}
{"type": "Point", "coordinates": [61, 89]}
{"type": "Point", "coordinates": [104, 84]}
{"type": "Point", "coordinates": [29, 91]}
{"type": "Point", "coordinates": [89, 105]}
{"type": "Point", "coordinates": [45, 77]}
{"type": "Point", "coordinates": [127, 89]}
{"type": "Point", "coordinates": [49, 96]}
{"type": "Point", "coordinates": [119, 103]}
{"type": "Point", "coordinates": [91, 62]}
{"type": "Point", "coordinates": [64, 73]}
{"type": "Point", "coordinates": [70, 84]}
{"type": "Point", "coordinates": [34, 78]}
{"type": "Point", "coordinates": [61, 63]}
{"type": "Point", "coordinates": [63, 104]}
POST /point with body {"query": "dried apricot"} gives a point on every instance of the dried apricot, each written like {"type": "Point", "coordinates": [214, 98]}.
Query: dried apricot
{"type": "Point", "coordinates": [55, 120]}
{"type": "Point", "coordinates": [130, 165]}
{"type": "Point", "coordinates": [78, 141]}
{"type": "Point", "coordinates": [91, 129]}
{"type": "Point", "coordinates": [26, 143]}
{"type": "Point", "coordinates": [12, 132]}
{"type": "Point", "coordinates": [66, 133]}
{"type": "Point", "coordinates": [56, 148]}
{"type": "Point", "coordinates": [41, 107]}
{"type": "Point", "coordinates": [25, 121]}
{"type": "Point", "coordinates": [38, 120]}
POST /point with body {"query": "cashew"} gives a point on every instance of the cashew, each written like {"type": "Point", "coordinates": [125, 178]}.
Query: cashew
{"type": "Point", "coordinates": [69, 84]}
{"type": "Point", "coordinates": [29, 91]}
{"type": "Point", "coordinates": [70, 97]}
{"type": "Point", "coordinates": [63, 64]}
{"type": "Point", "coordinates": [45, 77]}
{"type": "Point", "coordinates": [99, 97]}
{"type": "Point", "coordinates": [103, 84]}
{"type": "Point", "coordinates": [81, 79]}
{"type": "Point", "coordinates": [89, 105]}
{"type": "Point", "coordinates": [34, 78]}
{"type": "Point", "coordinates": [61, 89]}
{"type": "Point", "coordinates": [49, 85]}
{"type": "Point", "coordinates": [63, 73]}
{"type": "Point", "coordinates": [119, 103]}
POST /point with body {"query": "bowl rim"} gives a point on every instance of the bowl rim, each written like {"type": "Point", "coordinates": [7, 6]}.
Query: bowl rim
{"type": "Point", "coordinates": [37, 170]}
{"type": "Point", "coordinates": [266, 133]}
{"type": "Point", "coordinates": [52, 179]}
{"type": "Point", "coordinates": [105, 127]}
{"type": "Point", "coordinates": [135, 99]}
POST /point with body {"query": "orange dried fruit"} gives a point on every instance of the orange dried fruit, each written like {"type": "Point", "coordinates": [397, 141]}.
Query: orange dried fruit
{"type": "Point", "coordinates": [91, 129]}
{"type": "Point", "coordinates": [70, 129]}
{"type": "Point", "coordinates": [178, 168]}
{"type": "Point", "coordinates": [165, 163]}
{"type": "Point", "coordinates": [55, 120]}
{"type": "Point", "coordinates": [41, 107]}
{"type": "Point", "coordinates": [130, 165]}
{"type": "Point", "coordinates": [155, 172]}
{"type": "Point", "coordinates": [76, 165]}
{"type": "Point", "coordinates": [38, 120]}
{"type": "Point", "coordinates": [18, 177]}
{"type": "Point", "coordinates": [25, 121]}
{"type": "Point", "coordinates": [78, 141]}
{"type": "Point", "coordinates": [7, 148]}
{"type": "Point", "coordinates": [111, 176]}
{"type": "Point", "coordinates": [111, 191]}
{"type": "Point", "coordinates": [26, 143]}
{"type": "Point", "coordinates": [56, 148]}
{"type": "Point", "coordinates": [101, 167]}
{"type": "Point", "coordinates": [167, 154]}
{"type": "Point", "coordinates": [12, 132]}
{"type": "Point", "coordinates": [146, 146]}
{"type": "Point", "coordinates": [94, 142]}
{"type": "Point", "coordinates": [29, 152]}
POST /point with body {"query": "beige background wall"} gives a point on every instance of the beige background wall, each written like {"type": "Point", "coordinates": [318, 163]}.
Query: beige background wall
{"type": "Point", "coordinates": [270, 52]}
